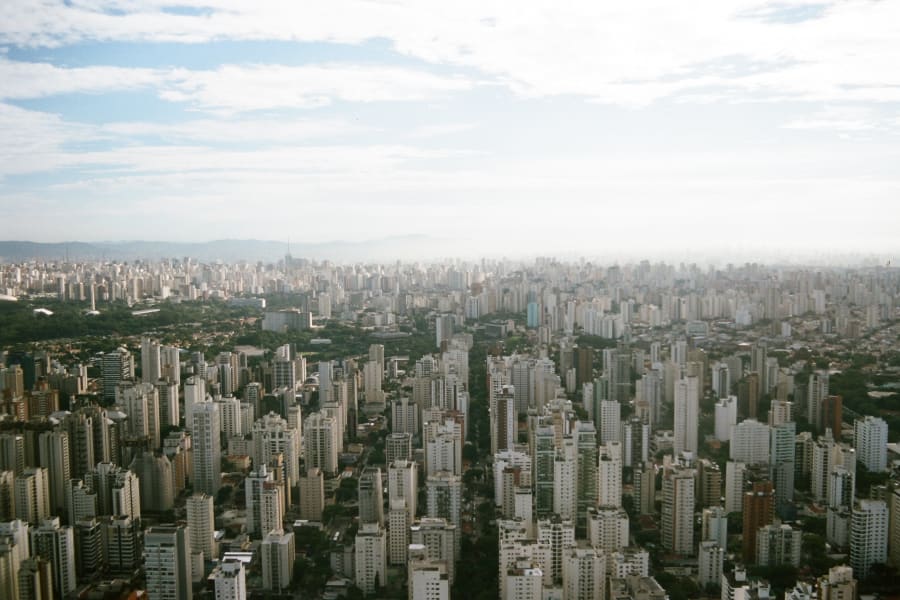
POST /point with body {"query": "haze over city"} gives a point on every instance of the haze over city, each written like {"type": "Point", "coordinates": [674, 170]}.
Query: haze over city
{"type": "Point", "coordinates": [420, 300]}
{"type": "Point", "coordinates": [735, 127]}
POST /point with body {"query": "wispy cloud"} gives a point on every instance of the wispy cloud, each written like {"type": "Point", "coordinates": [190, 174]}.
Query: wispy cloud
{"type": "Point", "coordinates": [631, 53]}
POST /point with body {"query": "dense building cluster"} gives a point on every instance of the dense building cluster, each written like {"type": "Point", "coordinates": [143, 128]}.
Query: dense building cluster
{"type": "Point", "coordinates": [612, 429]}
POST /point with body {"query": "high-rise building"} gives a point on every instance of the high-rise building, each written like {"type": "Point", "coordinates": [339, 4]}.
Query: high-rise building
{"type": "Point", "coordinates": [543, 461]}
{"type": "Point", "coordinates": [201, 522]}
{"type": "Point", "coordinates": [53, 448]}
{"type": "Point", "coordinates": [714, 526]}
{"type": "Point", "coordinates": [750, 442]}
{"type": "Point", "coordinates": [272, 435]}
{"type": "Point", "coordinates": [167, 562]}
{"type": "Point", "coordinates": [206, 442]}
{"type": "Point", "coordinates": [312, 495]}
{"type": "Point", "coordinates": [817, 392]}
{"type": "Point", "coordinates": [370, 565]}
{"type": "Point", "coordinates": [778, 545]}
{"type": "Point", "coordinates": [782, 454]}
{"type": "Point", "coordinates": [398, 446]}
{"type": "Point", "coordinates": [115, 367]}
{"type": "Point", "coordinates": [586, 471]}
{"type": "Point", "coordinates": [399, 522]}
{"type": "Point", "coordinates": [12, 452]}
{"type": "Point", "coordinates": [371, 497]}
{"type": "Point", "coordinates": [122, 540]}
{"type": "Point", "coordinates": [687, 414]}
{"type": "Point", "coordinates": [321, 442]}
{"type": "Point", "coordinates": [443, 327]}
{"type": "Point", "coordinates": [140, 401]}
{"type": "Point", "coordinates": [759, 511]}
{"type": "Point", "coordinates": [230, 580]}
{"type": "Point", "coordinates": [404, 416]}
{"type": "Point", "coordinates": [645, 488]}
{"type": "Point", "coordinates": [254, 486]}
{"type": "Point", "coordinates": [278, 553]}
{"type": "Point", "coordinates": [150, 360]}
{"type": "Point", "coordinates": [89, 555]}
{"type": "Point", "coordinates": [609, 479]}
{"type": "Point", "coordinates": [710, 563]}
{"type": "Point", "coordinates": [194, 393]}
{"type": "Point", "coordinates": [607, 528]}
{"type": "Point", "coordinates": [523, 581]}
{"type": "Point", "coordinates": [32, 496]}
{"type": "Point", "coordinates": [80, 428]}
{"type": "Point", "coordinates": [870, 438]}
{"type": "Point", "coordinates": [403, 483]}
{"type": "Point", "coordinates": [583, 573]}
{"type": "Point", "coordinates": [610, 421]}
{"type": "Point", "coordinates": [868, 536]}
{"type": "Point", "coordinates": [443, 448]}
{"type": "Point", "coordinates": [444, 497]}
{"type": "Point", "coordinates": [838, 584]}
{"type": "Point", "coordinates": [558, 534]}
{"type": "Point", "coordinates": [81, 501]}
{"type": "Point", "coordinates": [56, 544]}
{"type": "Point", "coordinates": [726, 417]}
{"type": "Point", "coordinates": [427, 580]}
{"type": "Point", "coordinates": [678, 511]}
{"type": "Point", "coordinates": [503, 419]}
{"type": "Point", "coordinates": [439, 539]}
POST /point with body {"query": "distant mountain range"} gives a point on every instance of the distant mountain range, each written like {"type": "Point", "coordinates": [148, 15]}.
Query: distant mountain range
{"type": "Point", "coordinates": [386, 249]}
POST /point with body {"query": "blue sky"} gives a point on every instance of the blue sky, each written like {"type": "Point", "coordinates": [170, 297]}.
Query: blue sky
{"type": "Point", "coordinates": [647, 126]}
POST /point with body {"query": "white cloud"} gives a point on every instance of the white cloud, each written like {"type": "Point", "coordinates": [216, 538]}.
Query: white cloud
{"type": "Point", "coordinates": [840, 118]}
{"type": "Point", "coordinates": [234, 88]}
{"type": "Point", "coordinates": [24, 80]}
{"type": "Point", "coordinates": [622, 53]}
{"type": "Point", "coordinates": [237, 131]}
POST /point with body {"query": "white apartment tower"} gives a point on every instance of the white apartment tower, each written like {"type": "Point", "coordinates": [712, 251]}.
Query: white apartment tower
{"type": "Point", "coordinates": [726, 417]}
{"type": "Point", "coordinates": [868, 536]}
{"type": "Point", "coordinates": [870, 438]}
{"type": "Point", "coordinates": [584, 574]}
{"type": "Point", "coordinates": [230, 580]}
{"type": "Point", "coordinates": [277, 550]}
{"type": "Point", "coordinates": [201, 523]}
{"type": "Point", "coordinates": [321, 442]}
{"type": "Point", "coordinates": [370, 563]}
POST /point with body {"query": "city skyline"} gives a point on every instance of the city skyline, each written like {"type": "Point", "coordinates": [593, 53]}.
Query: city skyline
{"type": "Point", "coordinates": [737, 127]}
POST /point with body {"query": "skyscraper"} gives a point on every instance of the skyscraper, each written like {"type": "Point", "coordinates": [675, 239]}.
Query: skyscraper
{"type": "Point", "coordinates": [56, 544]}
{"type": "Point", "coordinates": [759, 510]}
{"type": "Point", "coordinates": [207, 447]}
{"type": "Point", "coordinates": [586, 481]}
{"type": "Point", "coordinates": [678, 511]}
{"type": "Point", "coordinates": [167, 562]}
{"type": "Point", "coordinates": [312, 495]}
{"type": "Point", "coordinates": [870, 438]}
{"type": "Point", "coordinates": [201, 523]}
{"type": "Point", "coordinates": [321, 442]}
{"type": "Point", "coordinates": [370, 496]}
{"type": "Point", "coordinates": [115, 367]}
{"type": "Point", "coordinates": [868, 536]}
{"type": "Point", "coordinates": [230, 580]}
{"type": "Point", "coordinates": [687, 414]}
{"type": "Point", "coordinates": [371, 558]}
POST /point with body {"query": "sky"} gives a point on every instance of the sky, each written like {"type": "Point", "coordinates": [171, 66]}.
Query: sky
{"type": "Point", "coordinates": [516, 127]}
